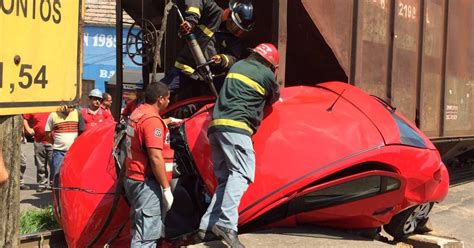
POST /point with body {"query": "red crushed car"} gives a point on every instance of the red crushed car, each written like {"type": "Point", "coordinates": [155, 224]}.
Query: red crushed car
{"type": "Point", "coordinates": [328, 155]}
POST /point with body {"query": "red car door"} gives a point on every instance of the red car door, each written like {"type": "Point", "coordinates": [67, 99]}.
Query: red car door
{"type": "Point", "coordinates": [363, 200]}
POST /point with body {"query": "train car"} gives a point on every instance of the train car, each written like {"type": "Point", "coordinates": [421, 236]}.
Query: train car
{"type": "Point", "coordinates": [417, 55]}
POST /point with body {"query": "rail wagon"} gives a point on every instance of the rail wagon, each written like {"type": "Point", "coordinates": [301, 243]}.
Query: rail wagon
{"type": "Point", "coordinates": [418, 55]}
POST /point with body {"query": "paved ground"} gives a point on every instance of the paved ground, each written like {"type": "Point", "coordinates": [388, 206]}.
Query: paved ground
{"type": "Point", "coordinates": [452, 218]}
{"type": "Point", "coordinates": [300, 237]}
{"type": "Point", "coordinates": [30, 199]}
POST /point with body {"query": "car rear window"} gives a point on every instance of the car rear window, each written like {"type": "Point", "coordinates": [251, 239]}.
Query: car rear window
{"type": "Point", "coordinates": [408, 136]}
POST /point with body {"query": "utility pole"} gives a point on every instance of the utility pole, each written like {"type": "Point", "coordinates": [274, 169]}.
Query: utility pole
{"type": "Point", "coordinates": [10, 134]}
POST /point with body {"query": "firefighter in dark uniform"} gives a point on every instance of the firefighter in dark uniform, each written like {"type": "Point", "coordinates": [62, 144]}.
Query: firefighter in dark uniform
{"type": "Point", "coordinates": [249, 86]}
{"type": "Point", "coordinates": [218, 33]}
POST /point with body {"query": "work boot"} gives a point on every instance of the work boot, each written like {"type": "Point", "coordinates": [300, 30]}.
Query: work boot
{"type": "Point", "coordinates": [206, 236]}
{"type": "Point", "coordinates": [43, 185]}
{"type": "Point", "coordinates": [229, 236]}
{"type": "Point", "coordinates": [24, 187]}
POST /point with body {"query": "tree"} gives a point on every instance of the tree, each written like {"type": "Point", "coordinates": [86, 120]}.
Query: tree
{"type": "Point", "coordinates": [10, 135]}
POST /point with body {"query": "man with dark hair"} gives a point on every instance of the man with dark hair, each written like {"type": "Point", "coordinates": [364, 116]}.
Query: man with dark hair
{"type": "Point", "coordinates": [146, 183]}
{"type": "Point", "coordinates": [62, 128]}
{"type": "Point", "coordinates": [106, 102]}
{"type": "Point", "coordinates": [248, 88]}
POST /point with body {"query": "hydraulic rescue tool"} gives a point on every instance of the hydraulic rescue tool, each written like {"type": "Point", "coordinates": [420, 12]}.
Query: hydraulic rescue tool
{"type": "Point", "coordinates": [202, 66]}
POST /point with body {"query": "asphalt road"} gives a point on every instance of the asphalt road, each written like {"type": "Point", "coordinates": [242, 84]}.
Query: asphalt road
{"type": "Point", "coordinates": [454, 217]}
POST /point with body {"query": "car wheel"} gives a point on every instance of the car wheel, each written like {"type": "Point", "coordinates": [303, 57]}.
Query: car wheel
{"type": "Point", "coordinates": [408, 221]}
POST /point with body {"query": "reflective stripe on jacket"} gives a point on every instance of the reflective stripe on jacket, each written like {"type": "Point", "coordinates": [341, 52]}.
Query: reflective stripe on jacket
{"type": "Point", "coordinates": [248, 88]}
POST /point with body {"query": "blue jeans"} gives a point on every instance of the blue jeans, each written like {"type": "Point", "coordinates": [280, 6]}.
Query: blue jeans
{"type": "Point", "coordinates": [145, 211]}
{"type": "Point", "coordinates": [234, 167]}
{"type": "Point", "coordinates": [57, 161]}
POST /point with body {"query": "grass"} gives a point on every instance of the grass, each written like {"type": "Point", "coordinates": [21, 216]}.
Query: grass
{"type": "Point", "coordinates": [37, 220]}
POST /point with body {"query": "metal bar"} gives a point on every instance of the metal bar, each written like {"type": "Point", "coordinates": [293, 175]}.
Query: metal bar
{"type": "Point", "coordinates": [118, 59]}
{"type": "Point", "coordinates": [172, 43]}
{"type": "Point", "coordinates": [355, 26]}
{"type": "Point", "coordinates": [391, 32]}
{"type": "Point", "coordinates": [420, 62]}
{"type": "Point", "coordinates": [282, 39]}
{"type": "Point", "coordinates": [444, 68]}
{"type": "Point", "coordinates": [275, 21]}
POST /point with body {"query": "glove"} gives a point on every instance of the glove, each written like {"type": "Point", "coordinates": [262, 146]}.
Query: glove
{"type": "Point", "coordinates": [185, 28]}
{"type": "Point", "coordinates": [175, 120]}
{"type": "Point", "coordinates": [217, 59]}
{"type": "Point", "coordinates": [172, 121]}
{"type": "Point", "coordinates": [167, 199]}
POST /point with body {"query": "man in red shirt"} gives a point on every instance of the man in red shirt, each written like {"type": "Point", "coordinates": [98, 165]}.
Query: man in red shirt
{"type": "Point", "coordinates": [106, 102]}
{"type": "Point", "coordinates": [145, 167]}
{"type": "Point", "coordinates": [34, 125]}
{"type": "Point", "coordinates": [132, 104]}
{"type": "Point", "coordinates": [94, 115]}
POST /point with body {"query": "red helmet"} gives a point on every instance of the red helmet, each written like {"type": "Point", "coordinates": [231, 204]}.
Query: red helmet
{"type": "Point", "coordinates": [269, 53]}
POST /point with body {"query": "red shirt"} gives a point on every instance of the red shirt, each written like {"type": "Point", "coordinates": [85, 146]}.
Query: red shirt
{"type": "Point", "coordinates": [130, 107]}
{"type": "Point", "coordinates": [92, 120]}
{"type": "Point", "coordinates": [106, 110]}
{"type": "Point", "coordinates": [38, 120]}
{"type": "Point", "coordinates": [145, 129]}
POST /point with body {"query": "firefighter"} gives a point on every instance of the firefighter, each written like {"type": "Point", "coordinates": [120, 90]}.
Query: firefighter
{"type": "Point", "coordinates": [236, 22]}
{"type": "Point", "coordinates": [218, 33]}
{"type": "Point", "coordinates": [249, 86]}
{"type": "Point", "coordinates": [146, 183]}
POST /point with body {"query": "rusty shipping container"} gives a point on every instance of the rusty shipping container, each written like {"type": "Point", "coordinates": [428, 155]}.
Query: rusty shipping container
{"type": "Point", "coordinates": [418, 55]}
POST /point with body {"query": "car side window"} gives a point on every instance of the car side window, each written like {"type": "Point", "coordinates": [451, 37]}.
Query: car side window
{"type": "Point", "coordinates": [349, 191]}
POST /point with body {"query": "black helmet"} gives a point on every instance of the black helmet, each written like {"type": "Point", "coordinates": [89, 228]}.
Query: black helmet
{"type": "Point", "coordinates": [242, 19]}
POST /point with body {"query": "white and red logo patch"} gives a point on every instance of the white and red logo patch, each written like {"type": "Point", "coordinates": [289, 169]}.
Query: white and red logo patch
{"type": "Point", "coordinates": [158, 132]}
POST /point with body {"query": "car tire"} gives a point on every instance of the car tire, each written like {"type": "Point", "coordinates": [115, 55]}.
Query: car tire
{"type": "Point", "coordinates": [408, 221]}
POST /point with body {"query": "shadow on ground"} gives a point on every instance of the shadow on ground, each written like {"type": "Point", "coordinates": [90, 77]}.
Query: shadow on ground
{"type": "Point", "coordinates": [30, 199]}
